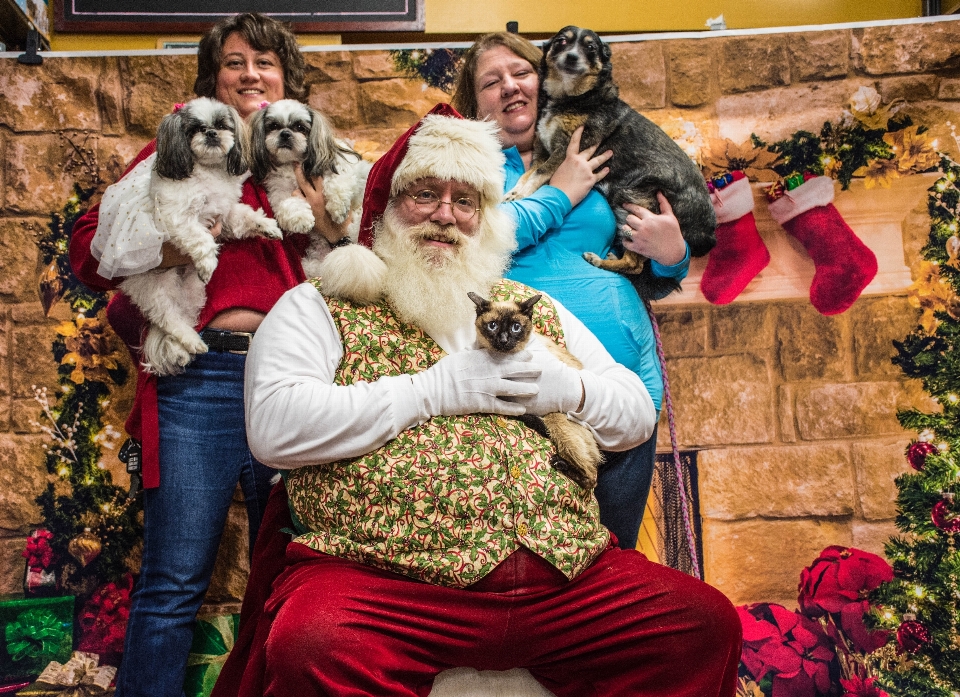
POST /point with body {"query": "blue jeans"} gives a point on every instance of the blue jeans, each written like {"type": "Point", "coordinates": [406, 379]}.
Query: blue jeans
{"type": "Point", "coordinates": [622, 488]}
{"type": "Point", "coordinates": [203, 454]}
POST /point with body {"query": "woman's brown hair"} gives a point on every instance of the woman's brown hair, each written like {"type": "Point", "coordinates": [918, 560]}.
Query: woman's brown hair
{"type": "Point", "coordinates": [263, 34]}
{"type": "Point", "coordinates": [465, 93]}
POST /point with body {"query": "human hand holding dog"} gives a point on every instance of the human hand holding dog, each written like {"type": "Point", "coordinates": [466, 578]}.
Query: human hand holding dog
{"type": "Point", "coordinates": [171, 256]}
{"type": "Point", "coordinates": [311, 190]}
{"type": "Point", "coordinates": [652, 235]}
{"type": "Point", "coordinates": [578, 172]}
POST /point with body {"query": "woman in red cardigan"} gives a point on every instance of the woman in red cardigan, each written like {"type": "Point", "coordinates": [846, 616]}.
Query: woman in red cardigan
{"type": "Point", "coordinates": [191, 425]}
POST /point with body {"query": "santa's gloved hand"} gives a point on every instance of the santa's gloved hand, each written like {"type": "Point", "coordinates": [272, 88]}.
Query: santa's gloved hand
{"type": "Point", "coordinates": [561, 389]}
{"type": "Point", "coordinates": [477, 382]}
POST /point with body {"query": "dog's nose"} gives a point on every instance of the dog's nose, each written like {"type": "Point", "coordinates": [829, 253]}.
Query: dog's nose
{"type": "Point", "coordinates": [572, 59]}
{"type": "Point", "coordinates": [212, 134]}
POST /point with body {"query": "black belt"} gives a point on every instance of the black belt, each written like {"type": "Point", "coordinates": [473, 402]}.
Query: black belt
{"type": "Point", "coordinates": [221, 340]}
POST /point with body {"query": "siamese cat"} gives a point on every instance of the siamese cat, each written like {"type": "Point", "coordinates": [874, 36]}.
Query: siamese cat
{"type": "Point", "coordinates": [507, 327]}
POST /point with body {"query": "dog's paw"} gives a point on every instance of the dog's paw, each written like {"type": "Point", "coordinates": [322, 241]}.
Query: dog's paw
{"type": "Point", "coordinates": [294, 215]}
{"type": "Point", "coordinates": [166, 354]}
{"type": "Point", "coordinates": [592, 258]}
{"type": "Point", "coordinates": [269, 228]}
{"type": "Point", "coordinates": [205, 266]}
{"type": "Point", "coordinates": [513, 195]}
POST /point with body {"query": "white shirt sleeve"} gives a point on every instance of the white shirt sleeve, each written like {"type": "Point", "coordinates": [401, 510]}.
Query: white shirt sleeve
{"type": "Point", "coordinates": [296, 416]}
{"type": "Point", "coordinates": [617, 406]}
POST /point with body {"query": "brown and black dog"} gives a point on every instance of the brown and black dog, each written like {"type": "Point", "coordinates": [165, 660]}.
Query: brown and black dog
{"type": "Point", "coordinates": [577, 89]}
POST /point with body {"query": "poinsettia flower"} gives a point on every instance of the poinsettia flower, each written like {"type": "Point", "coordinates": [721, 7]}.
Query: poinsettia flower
{"type": "Point", "coordinates": [858, 687]}
{"type": "Point", "coordinates": [726, 156]}
{"type": "Point", "coordinates": [913, 152]}
{"type": "Point", "coordinates": [89, 349]}
{"type": "Point", "coordinates": [840, 575]}
{"type": "Point", "coordinates": [932, 294]}
{"type": "Point", "coordinates": [792, 648]}
{"type": "Point", "coordinates": [878, 173]}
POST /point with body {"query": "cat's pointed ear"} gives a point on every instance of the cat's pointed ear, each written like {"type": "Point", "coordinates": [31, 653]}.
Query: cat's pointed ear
{"type": "Point", "coordinates": [526, 307]}
{"type": "Point", "coordinates": [482, 304]}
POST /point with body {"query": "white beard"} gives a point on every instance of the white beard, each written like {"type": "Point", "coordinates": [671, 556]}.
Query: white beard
{"type": "Point", "coordinates": [428, 286]}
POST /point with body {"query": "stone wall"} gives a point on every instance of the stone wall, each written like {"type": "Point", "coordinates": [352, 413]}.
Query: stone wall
{"type": "Point", "coordinates": [793, 412]}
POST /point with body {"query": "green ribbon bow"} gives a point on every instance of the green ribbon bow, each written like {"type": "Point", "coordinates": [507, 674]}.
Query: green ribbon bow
{"type": "Point", "coordinates": [35, 633]}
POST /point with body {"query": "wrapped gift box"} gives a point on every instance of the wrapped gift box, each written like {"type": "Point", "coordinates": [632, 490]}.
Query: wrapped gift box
{"type": "Point", "coordinates": [35, 632]}
{"type": "Point", "coordinates": [213, 639]}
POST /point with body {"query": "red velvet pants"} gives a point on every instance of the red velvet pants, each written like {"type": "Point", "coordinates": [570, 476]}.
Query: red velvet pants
{"type": "Point", "coordinates": [625, 626]}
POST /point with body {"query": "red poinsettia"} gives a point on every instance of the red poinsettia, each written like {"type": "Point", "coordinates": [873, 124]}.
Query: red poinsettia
{"type": "Point", "coordinates": [103, 620]}
{"type": "Point", "coordinates": [39, 553]}
{"type": "Point", "coordinates": [858, 687]}
{"type": "Point", "coordinates": [793, 648]}
{"type": "Point", "coordinates": [837, 583]}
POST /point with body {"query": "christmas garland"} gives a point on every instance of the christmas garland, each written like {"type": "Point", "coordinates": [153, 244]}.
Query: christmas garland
{"type": "Point", "coordinates": [91, 530]}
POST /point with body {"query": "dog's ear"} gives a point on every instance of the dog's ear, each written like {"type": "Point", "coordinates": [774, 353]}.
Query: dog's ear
{"type": "Point", "coordinates": [259, 155]}
{"type": "Point", "coordinates": [238, 160]}
{"type": "Point", "coordinates": [322, 149]}
{"type": "Point", "coordinates": [174, 156]}
{"type": "Point", "coordinates": [605, 50]}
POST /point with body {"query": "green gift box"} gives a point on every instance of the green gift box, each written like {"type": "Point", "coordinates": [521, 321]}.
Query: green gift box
{"type": "Point", "coordinates": [35, 632]}
{"type": "Point", "coordinates": [213, 638]}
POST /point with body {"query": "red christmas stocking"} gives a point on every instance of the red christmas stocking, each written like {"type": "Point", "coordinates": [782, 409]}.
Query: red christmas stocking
{"type": "Point", "coordinates": [844, 264]}
{"type": "Point", "coordinates": [739, 254]}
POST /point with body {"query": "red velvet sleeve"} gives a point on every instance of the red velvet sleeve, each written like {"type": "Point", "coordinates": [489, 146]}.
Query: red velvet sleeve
{"type": "Point", "coordinates": [81, 258]}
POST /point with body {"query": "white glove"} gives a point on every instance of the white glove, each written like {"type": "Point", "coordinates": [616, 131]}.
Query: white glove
{"type": "Point", "coordinates": [477, 382]}
{"type": "Point", "coordinates": [561, 389]}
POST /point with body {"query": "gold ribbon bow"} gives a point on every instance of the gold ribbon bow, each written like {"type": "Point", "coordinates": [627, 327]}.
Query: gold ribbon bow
{"type": "Point", "coordinates": [81, 676]}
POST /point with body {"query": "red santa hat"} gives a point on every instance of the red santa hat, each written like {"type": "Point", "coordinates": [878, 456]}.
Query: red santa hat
{"type": "Point", "coordinates": [443, 145]}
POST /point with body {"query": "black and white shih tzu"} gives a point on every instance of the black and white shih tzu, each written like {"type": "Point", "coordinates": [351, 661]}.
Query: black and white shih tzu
{"type": "Point", "coordinates": [196, 181]}
{"type": "Point", "coordinates": [289, 132]}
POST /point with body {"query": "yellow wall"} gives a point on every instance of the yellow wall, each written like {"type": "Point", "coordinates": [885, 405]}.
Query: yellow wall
{"type": "Point", "coordinates": [444, 17]}
{"type": "Point", "coordinates": [628, 16]}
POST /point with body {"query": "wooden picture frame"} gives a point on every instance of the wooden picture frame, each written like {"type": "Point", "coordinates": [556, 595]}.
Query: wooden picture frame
{"type": "Point", "coordinates": [191, 16]}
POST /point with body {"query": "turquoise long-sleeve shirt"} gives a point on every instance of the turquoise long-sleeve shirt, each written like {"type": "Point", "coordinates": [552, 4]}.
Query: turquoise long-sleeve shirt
{"type": "Point", "coordinates": [552, 237]}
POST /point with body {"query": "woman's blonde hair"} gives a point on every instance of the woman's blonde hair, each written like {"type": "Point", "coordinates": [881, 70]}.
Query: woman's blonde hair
{"type": "Point", "coordinates": [465, 93]}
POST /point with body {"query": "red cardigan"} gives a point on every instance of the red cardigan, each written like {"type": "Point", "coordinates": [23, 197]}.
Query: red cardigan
{"type": "Point", "coordinates": [251, 273]}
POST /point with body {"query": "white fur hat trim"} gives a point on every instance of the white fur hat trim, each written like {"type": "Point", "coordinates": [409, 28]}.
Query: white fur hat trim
{"type": "Point", "coordinates": [449, 148]}
{"type": "Point", "coordinates": [812, 193]}
{"type": "Point", "coordinates": [733, 202]}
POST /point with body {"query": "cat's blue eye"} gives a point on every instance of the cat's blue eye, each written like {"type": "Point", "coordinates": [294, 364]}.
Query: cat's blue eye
{"type": "Point", "coordinates": [493, 326]}
{"type": "Point", "coordinates": [516, 327]}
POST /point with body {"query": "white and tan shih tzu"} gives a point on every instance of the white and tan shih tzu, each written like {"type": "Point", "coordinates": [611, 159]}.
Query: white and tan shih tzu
{"type": "Point", "coordinates": [196, 181]}
{"type": "Point", "coordinates": [287, 133]}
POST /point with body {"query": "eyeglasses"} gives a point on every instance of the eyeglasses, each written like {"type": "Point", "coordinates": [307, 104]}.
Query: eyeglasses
{"type": "Point", "coordinates": [463, 208]}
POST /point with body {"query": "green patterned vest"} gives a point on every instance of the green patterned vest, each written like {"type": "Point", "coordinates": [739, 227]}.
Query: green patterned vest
{"type": "Point", "coordinates": [446, 501]}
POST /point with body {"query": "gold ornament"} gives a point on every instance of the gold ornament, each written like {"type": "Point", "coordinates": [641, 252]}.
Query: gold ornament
{"type": "Point", "coordinates": [85, 547]}
{"type": "Point", "coordinates": [51, 287]}
{"type": "Point", "coordinates": [953, 250]}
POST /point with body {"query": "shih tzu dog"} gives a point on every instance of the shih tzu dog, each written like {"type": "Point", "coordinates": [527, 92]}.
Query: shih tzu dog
{"type": "Point", "coordinates": [577, 89]}
{"type": "Point", "coordinates": [196, 181]}
{"type": "Point", "coordinates": [287, 133]}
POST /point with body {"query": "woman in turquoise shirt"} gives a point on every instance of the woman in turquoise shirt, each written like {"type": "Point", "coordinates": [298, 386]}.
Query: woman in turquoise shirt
{"type": "Point", "coordinates": [555, 226]}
